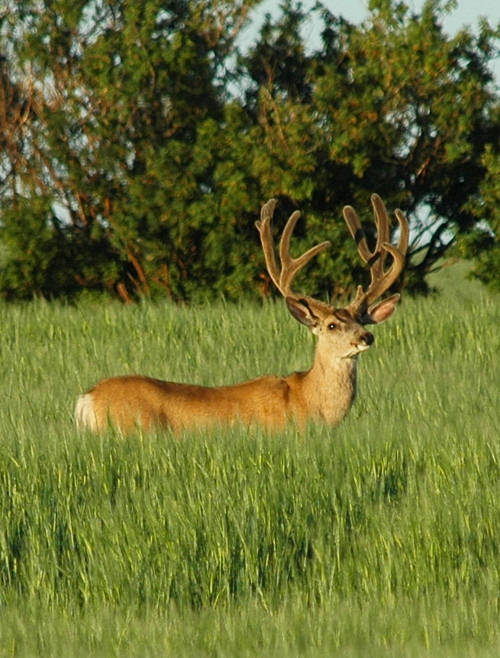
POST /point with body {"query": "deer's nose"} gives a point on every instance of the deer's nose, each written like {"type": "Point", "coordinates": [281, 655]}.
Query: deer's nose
{"type": "Point", "coordinates": [368, 338]}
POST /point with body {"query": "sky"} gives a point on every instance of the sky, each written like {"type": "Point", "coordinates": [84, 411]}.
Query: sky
{"type": "Point", "coordinates": [467, 13]}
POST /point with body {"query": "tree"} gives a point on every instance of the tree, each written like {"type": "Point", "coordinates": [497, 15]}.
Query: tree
{"type": "Point", "coordinates": [392, 105]}
{"type": "Point", "coordinates": [138, 169]}
{"type": "Point", "coordinates": [482, 243]}
{"type": "Point", "coordinates": [124, 92]}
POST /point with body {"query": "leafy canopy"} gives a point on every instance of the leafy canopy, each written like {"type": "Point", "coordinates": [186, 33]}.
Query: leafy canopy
{"type": "Point", "coordinates": [138, 143]}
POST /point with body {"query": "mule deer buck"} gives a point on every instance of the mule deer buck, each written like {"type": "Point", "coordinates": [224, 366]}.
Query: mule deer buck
{"type": "Point", "coordinates": [325, 392]}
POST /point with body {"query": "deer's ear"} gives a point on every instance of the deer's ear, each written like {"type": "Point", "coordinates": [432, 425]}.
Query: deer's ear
{"type": "Point", "coordinates": [302, 312]}
{"type": "Point", "coordinates": [381, 311]}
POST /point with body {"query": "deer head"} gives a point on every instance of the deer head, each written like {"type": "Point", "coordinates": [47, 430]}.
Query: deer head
{"type": "Point", "coordinates": [341, 331]}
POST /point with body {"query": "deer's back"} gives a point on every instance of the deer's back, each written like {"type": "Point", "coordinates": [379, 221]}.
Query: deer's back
{"type": "Point", "coordinates": [134, 400]}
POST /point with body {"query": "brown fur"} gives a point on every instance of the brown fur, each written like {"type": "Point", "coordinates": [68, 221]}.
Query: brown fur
{"type": "Point", "coordinates": [136, 400]}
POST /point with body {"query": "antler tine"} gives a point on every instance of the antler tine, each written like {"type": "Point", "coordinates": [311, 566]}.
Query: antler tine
{"type": "Point", "coordinates": [382, 224]}
{"type": "Point", "coordinates": [404, 235]}
{"type": "Point", "coordinates": [381, 280]}
{"type": "Point", "coordinates": [354, 226]}
{"type": "Point", "coordinates": [290, 266]}
{"type": "Point", "coordinates": [282, 279]}
{"type": "Point", "coordinates": [266, 239]}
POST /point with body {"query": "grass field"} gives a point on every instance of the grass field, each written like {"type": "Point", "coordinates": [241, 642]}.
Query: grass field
{"type": "Point", "coordinates": [378, 538]}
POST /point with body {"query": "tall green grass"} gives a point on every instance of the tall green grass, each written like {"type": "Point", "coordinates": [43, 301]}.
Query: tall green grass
{"type": "Point", "coordinates": [378, 537]}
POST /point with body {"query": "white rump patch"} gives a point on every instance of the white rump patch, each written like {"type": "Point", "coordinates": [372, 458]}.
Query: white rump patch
{"type": "Point", "coordinates": [84, 412]}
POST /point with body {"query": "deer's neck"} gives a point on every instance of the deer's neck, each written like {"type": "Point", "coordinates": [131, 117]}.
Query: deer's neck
{"type": "Point", "coordinates": [330, 387]}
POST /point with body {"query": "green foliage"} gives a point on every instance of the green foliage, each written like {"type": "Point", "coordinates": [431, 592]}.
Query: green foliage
{"type": "Point", "coordinates": [381, 532]}
{"type": "Point", "coordinates": [483, 243]}
{"type": "Point", "coordinates": [392, 105]}
{"type": "Point", "coordinates": [143, 170]}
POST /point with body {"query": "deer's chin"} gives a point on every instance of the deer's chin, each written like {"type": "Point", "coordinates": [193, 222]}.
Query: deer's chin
{"type": "Point", "coordinates": [362, 347]}
{"type": "Point", "coordinates": [356, 349]}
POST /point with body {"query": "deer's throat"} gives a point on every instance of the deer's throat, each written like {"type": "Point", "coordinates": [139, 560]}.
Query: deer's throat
{"type": "Point", "coordinates": [331, 388]}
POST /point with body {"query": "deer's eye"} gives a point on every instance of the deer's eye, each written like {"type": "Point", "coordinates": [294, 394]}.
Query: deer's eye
{"type": "Point", "coordinates": [332, 326]}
